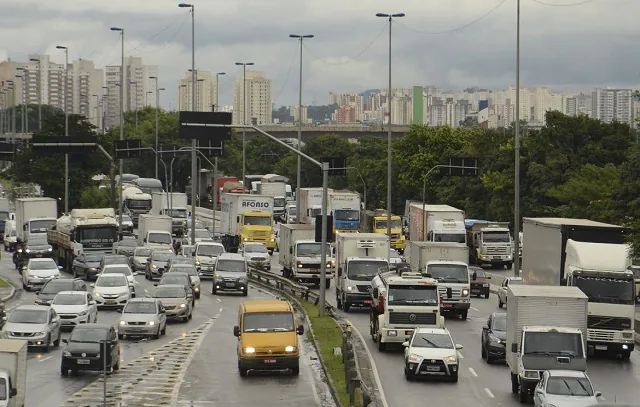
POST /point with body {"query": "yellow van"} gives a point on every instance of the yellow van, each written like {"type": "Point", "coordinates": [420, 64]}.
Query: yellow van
{"type": "Point", "coordinates": [267, 337]}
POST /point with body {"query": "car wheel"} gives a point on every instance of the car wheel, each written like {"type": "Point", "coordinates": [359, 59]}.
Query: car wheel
{"type": "Point", "coordinates": [483, 352]}
{"type": "Point", "coordinates": [487, 295]}
{"type": "Point", "coordinates": [454, 377]}
{"type": "Point", "coordinates": [64, 372]}
{"type": "Point", "coordinates": [47, 347]}
{"type": "Point", "coordinates": [408, 374]}
{"type": "Point", "coordinates": [117, 365]}
{"type": "Point", "coordinates": [57, 341]}
{"type": "Point", "coordinates": [163, 331]}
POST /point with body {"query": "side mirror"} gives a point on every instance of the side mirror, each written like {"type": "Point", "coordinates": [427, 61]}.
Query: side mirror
{"type": "Point", "coordinates": [458, 346]}
{"type": "Point", "coordinates": [13, 392]}
{"type": "Point", "coordinates": [449, 292]}
{"type": "Point", "coordinates": [474, 276]}
{"type": "Point", "coordinates": [236, 331]}
{"type": "Point", "coordinates": [514, 347]}
{"type": "Point", "coordinates": [163, 311]}
{"type": "Point", "coordinates": [135, 273]}
{"type": "Point", "coordinates": [375, 292]}
{"type": "Point", "coordinates": [64, 340]}
{"type": "Point", "coordinates": [92, 302]}
{"type": "Point", "coordinates": [300, 330]}
{"type": "Point", "coordinates": [54, 320]}
{"type": "Point", "coordinates": [37, 292]}
{"type": "Point", "coordinates": [92, 285]}
{"type": "Point", "coordinates": [405, 344]}
{"type": "Point", "coordinates": [60, 267]}
{"type": "Point", "coordinates": [291, 250]}
{"type": "Point", "coordinates": [598, 394]}
{"type": "Point", "coordinates": [488, 277]}
{"type": "Point", "coordinates": [339, 271]}
{"type": "Point", "coordinates": [485, 328]}
{"type": "Point", "coordinates": [155, 284]}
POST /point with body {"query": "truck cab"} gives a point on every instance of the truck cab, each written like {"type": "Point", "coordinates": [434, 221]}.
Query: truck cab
{"type": "Point", "coordinates": [135, 202]}
{"type": "Point", "coordinates": [308, 262]}
{"type": "Point", "coordinates": [446, 231]}
{"type": "Point", "coordinates": [345, 208]}
{"type": "Point", "coordinates": [489, 243]}
{"type": "Point", "coordinates": [257, 227]}
{"type": "Point", "coordinates": [376, 222]}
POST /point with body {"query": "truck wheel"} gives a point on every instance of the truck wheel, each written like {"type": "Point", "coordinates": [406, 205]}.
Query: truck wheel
{"type": "Point", "coordinates": [626, 355]}
{"type": "Point", "coordinates": [509, 265]}
{"type": "Point", "coordinates": [515, 386]}
{"type": "Point", "coordinates": [346, 306]}
{"type": "Point", "coordinates": [522, 395]}
{"type": "Point", "coordinates": [463, 315]}
{"type": "Point", "coordinates": [327, 283]}
{"type": "Point", "coordinates": [381, 345]}
{"type": "Point", "coordinates": [338, 301]}
{"type": "Point", "coordinates": [500, 303]}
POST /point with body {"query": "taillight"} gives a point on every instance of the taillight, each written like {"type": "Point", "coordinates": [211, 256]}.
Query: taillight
{"type": "Point", "coordinates": [381, 304]}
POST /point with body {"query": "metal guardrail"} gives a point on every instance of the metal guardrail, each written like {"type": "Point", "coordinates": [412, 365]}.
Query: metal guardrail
{"type": "Point", "coordinates": [270, 280]}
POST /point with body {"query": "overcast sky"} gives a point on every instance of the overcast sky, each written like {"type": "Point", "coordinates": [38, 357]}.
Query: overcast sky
{"type": "Point", "coordinates": [445, 43]}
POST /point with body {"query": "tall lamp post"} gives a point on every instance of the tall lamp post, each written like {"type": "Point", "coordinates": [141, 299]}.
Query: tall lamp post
{"type": "Point", "coordinates": [66, 127]}
{"type": "Point", "coordinates": [390, 17]}
{"type": "Point", "coordinates": [216, 107]}
{"type": "Point", "coordinates": [123, 83]}
{"type": "Point", "coordinates": [37, 60]}
{"type": "Point", "coordinates": [299, 37]}
{"type": "Point", "coordinates": [516, 209]}
{"type": "Point", "coordinates": [244, 66]}
{"type": "Point", "coordinates": [155, 81]}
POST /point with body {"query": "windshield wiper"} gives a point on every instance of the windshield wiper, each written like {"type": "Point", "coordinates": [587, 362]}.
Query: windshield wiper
{"type": "Point", "coordinates": [82, 341]}
{"type": "Point", "coordinates": [568, 387]}
{"type": "Point", "coordinates": [430, 343]}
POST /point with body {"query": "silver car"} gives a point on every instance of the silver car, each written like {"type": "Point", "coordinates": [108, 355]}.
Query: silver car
{"type": "Point", "coordinates": [111, 290]}
{"type": "Point", "coordinates": [565, 388]}
{"type": "Point", "coordinates": [126, 246]}
{"type": "Point", "coordinates": [37, 324]}
{"type": "Point", "coordinates": [256, 255]}
{"type": "Point", "coordinates": [143, 317]}
{"type": "Point", "coordinates": [194, 275]}
{"type": "Point", "coordinates": [230, 274]}
{"type": "Point", "coordinates": [39, 271]}
{"type": "Point", "coordinates": [205, 255]}
{"type": "Point", "coordinates": [140, 257]}
{"type": "Point", "coordinates": [175, 300]}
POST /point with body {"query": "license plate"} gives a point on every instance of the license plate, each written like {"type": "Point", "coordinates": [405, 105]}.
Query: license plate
{"type": "Point", "coordinates": [38, 255]}
{"type": "Point", "coordinates": [83, 361]}
{"type": "Point", "coordinates": [230, 285]}
{"type": "Point", "coordinates": [475, 290]}
{"type": "Point", "coordinates": [110, 302]}
{"type": "Point", "coordinates": [446, 305]}
{"type": "Point", "coordinates": [601, 347]}
{"type": "Point", "coordinates": [408, 333]}
{"type": "Point", "coordinates": [433, 369]}
{"type": "Point", "coordinates": [368, 301]}
{"type": "Point", "coordinates": [270, 361]}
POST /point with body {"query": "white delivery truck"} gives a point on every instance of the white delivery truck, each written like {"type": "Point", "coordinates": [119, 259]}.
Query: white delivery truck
{"type": "Point", "coordinates": [154, 231]}
{"type": "Point", "coordinates": [436, 223]}
{"type": "Point", "coordinates": [345, 208]}
{"type": "Point", "coordinates": [13, 372]}
{"type": "Point", "coordinates": [546, 330]}
{"type": "Point", "coordinates": [447, 264]}
{"type": "Point", "coordinates": [34, 216]}
{"type": "Point", "coordinates": [400, 304]}
{"type": "Point", "coordinates": [174, 205]}
{"type": "Point", "coordinates": [277, 190]}
{"type": "Point", "coordinates": [246, 218]}
{"type": "Point", "coordinates": [489, 243]}
{"type": "Point", "coordinates": [592, 256]}
{"type": "Point", "coordinates": [310, 204]}
{"type": "Point", "coordinates": [300, 255]}
{"type": "Point", "coordinates": [359, 258]}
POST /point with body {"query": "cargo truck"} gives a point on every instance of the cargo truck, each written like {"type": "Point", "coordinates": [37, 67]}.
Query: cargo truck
{"type": "Point", "coordinates": [13, 372]}
{"type": "Point", "coordinates": [135, 203]}
{"type": "Point", "coordinates": [154, 232]}
{"type": "Point", "coordinates": [84, 230]}
{"type": "Point", "coordinates": [246, 218]}
{"type": "Point", "coordinates": [345, 208]}
{"type": "Point", "coordinates": [592, 256]}
{"type": "Point", "coordinates": [489, 243]}
{"type": "Point", "coordinates": [300, 255]}
{"type": "Point", "coordinates": [174, 205]}
{"type": "Point", "coordinates": [376, 222]}
{"type": "Point", "coordinates": [34, 216]}
{"type": "Point", "coordinates": [400, 304]}
{"type": "Point", "coordinates": [220, 182]}
{"type": "Point", "coordinates": [447, 264]}
{"type": "Point", "coordinates": [546, 330]}
{"type": "Point", "coordinates": [359, 258]}
{"type": "Point", "coordinates": [310, 204]}
{"type": "Point", "coordinates": [5, 210]}
{"type": "Point", "coordinates": [436, 223]}
{"type": "Point", "coordinates": [278, 191]}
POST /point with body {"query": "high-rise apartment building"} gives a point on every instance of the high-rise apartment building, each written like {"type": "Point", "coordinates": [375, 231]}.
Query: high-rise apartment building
{"type": "Point", "coordinates": [205, 92]}
{"type": "Point", "coordinates": [293, 110]}
{"type": "Point", "coordinates": [613, 105]}
{"type": "Point", "coordinates": [137, 84]}
{"type": "Point", "coordinates": [257, 94]}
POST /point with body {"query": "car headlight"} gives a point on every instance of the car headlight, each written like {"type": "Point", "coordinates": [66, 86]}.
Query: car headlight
{"type": "Point", "coordinates": [414, 358]}
{"type": "Point", "coordinates": [66, 354]}
{"type": "Point", "coordinates": [154, 266]}
{"type": "Point", "coordinates": [531, 374]}
{"type": "Point", "coordinates": [494, 338]}
{"type": "Point", "coordinates": [28, 251]}
{"type": "Point", "coordinates": [299, 265]}
{"type": "Point", "coordinates": [19, 250]}
{"type": "Point", "coordinates": [122, 323]}
{"type": "Point", "coordinates": [328, 264]}
{"type": "Point", "coordinates": [290, 348]}
{"type": "Point", "coordinates": [85, 312]}
{"type": "Point", "coordinates": [249, 350]}
{"type": "Point", "coordinates": [42, 333]}
{"type": "Point", "coordinates": [197, 260]}
{"type": "Point", "coordinates": [183, 305]}
{"type": "Point", "coordinates": [125, 293]}
{"type": "Point", "coordinates": [349, 288]}
{"type": "Point", "coordinates": [196, 289]}
{"type": "Point", "coordinates": [450, 360]}
{"type": "Point", "coordinates": [217, 276]}
{"type": "Point", "coordinates": [50, 249]}
{"type": "Point", "coordinates": [465, 292]}
{"type": "Point", "coordinates": [152, 323]}
{"type": "Point", "coordinates": [273, 240]}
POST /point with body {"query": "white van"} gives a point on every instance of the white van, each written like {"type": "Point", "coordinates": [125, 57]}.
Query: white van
{"type": "Point", "coordinates": [10, 236]}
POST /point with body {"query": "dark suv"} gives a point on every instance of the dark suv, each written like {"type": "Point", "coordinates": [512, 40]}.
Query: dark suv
{"type": "Point", "coordinates": [86, 349]}
{"type": "Point", "coordinates": [480, 284]}
{"type": "Point", "coordinates": [52, 287]}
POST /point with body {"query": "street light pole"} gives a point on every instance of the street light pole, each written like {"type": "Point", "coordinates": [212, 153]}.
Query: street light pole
{"type": "Point", "coordinates": [217, 106]}
{"type": "Point", "coordinates": [516, 209]}
{"type": "Point", "coordinates": [121, 164]}
{"type": "Point", "coordinates": [66, 127]}
{"type": "Point", "coordinates": [299, 37]}
{"type": "Point", "coordinates": [155, 79]}
{"type": "Point", "coordinates": [244, 116]}
{"type": "Point", "coordinates": [390, 17]}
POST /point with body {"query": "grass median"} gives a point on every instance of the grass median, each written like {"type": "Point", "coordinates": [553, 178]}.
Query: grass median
{"type": "Point", "coordinates": [329, 336]}
{"type": "Point", "coordinates": [4, 283]}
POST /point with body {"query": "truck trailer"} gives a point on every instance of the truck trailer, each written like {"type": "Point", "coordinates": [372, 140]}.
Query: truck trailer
{"type": "Point", "coordinates": [247, 218]}
{"type": "Point", "coordinates": [13, 372]}
{"type": "Point", "coordinates": [436, 223]}
{"type": "Point", "coordinates": [300, 255]}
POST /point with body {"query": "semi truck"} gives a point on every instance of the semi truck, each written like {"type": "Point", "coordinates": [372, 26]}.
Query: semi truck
{"type": "Point", "coordinates": [310, 204]}
{"type": "Point", "coordinates": [376, 222]}
{"type": "Point", "coordinates": [447, 264]}
{"type": "Point", "coordinates": [592, 256]}
{"type": "Point", "coordinates": [5, 210]}
{"type": "Point", "coordinates": [155, 231]}
{"type": "Point", "coordinates": [84, 230]}
{"type": "Point", "coordinates": [247, 218]}
{"type": "Point", "coordinates": [489, 243]}
{"type": "Point", "coordinates": [174, 205]}
{"type": "Point", "coordinates": [220, 182]}
{"type": "Point", "coordinates": [546, 330]}
{"type": "Point", "coordinates": [278, 191]}
{"type": "Point", "coordinates": [345, 208]}
{"type": "Point", "coordinates": [359, 258]}
{"type": "Point", "coordinates": [436, 223]}
{"type": "Point", "coordinates": [13, 372]}
{"type": "Point", "coordinates": [400, 304]}
{"type": "Point", "coordinates": [300, 255]}
{"type": "Point", "coordinates": [34, 216]}
{"type": "Point", "coordinates": [135, 203]}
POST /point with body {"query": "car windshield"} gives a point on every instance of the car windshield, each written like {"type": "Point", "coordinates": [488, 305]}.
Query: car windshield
{"type": "Point", "coordinates": [569, 386]}
{"type": "Point", "coordinates": [112, 281]}
{"type": "Point", "coordinates": [236, 266]}
{"type": "Point", "coordinates": [257, 220]}
{"type": "Point", "coordinates": [429, 340]}
{"type": "Point", "coordinates": [128, 243]}
{"type": "Point", "coordinates": [92, 258]}
{"type": "Point", "coordinates": [142, 252]}
{"type": "Point", "coordinates": [29, 316]}
{"type": "Point", "coordinates": [311, 249]}
{"type": "Point", "coordinates": [382, 224]}
{"type": "Point", "coordinates": [42, 265]}
{"type": "Point", "coordinates": [255, 248]}
{"type": "Point", "coordinates": [174, 278]}
{"type": "Point", "coordinates": [267, 322]}
{"type": "Point", "coordinates": [37, 242]}
{"type": "Point", "coordinates": [126, 218]}
{"type": "Point", "coordinates": [55, 286]}
{"type": "Point", "coordinates": [190, 270]}
{"type": "Point", "coordinates": [449, 273]}
{"type": "Point", "coordinates": [70, 299]}
{"type": "Point", "coordinates": [553, 343]}
{"type": "Point", "coordinates": [117, 270]}
{"type": "Point", "coordinates": [88, 335]}
{"type": "Point", "coordinates": [115, 260]}
{"type": "Point", "coordinates": [177, 213]}
{"type": "Point", "coordinates": [413, 294]}
{"type": "Point", "coordinates": [160, 238]}
{"type": "Point", "coordinates": [140, 307]}
{"type": "Point", "coordinates": [169, 292]}
{"type": "Point", "coordinates": [450, 237]}
{"type": "Point", "coordinates": [41, 225]}
{"type": "Point", "coordinates": [499, 323]}
{"type": "Point", "coordinates": [162, 256]}
{"type": "Point", "coordinates": [209, 250]}
{"type": "Point", "coordinates": [202, 234]}
{"type": "Point", "coordinates": [607, 290]}
{"type": "Point", "coordinates": [496, 237]}
{"type": "Point", "coordinates": [366, 270]}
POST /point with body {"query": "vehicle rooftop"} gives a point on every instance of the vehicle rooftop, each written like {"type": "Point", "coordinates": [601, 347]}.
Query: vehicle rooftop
{"type": "Point", "coordinates": [571, 222]}
{"type": "Point", "coordinates": [566, 373]}
{"type": "Point", "coordinates": [142, 299]}
{"type": "Point", "coordinates": [267, 306]}
{"type": "Point", "coordinates": [209, 243]}
{"type": "Point", "coordinates": [91, 326]}
{"type": "Point", "coordinates": [42, 260]}
{"type": "Point", "coordinates": [170, 286]}
{"type": "Point", "coordinates": [546, 291]}
{"type": "Point", "coordinates": [30, 307]}
{"type": "Point", "coordinates": [230, 256]}
{"type": "Point", "coordinates": [424, 330]}
{"type": "Point", "coordinates": [73, 292]}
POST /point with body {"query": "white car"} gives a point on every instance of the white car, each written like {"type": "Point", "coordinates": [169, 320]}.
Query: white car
{"type": "Point", "coordinates": [111, 290]}
{"type": "Point", "coordinates": [502, 291]}
{"type": "Point", "coordinates": [395, 259]}
{"type": "Point", "coordinates": [122, 269]}
{"type": "Point", "coordinates": [255, 254]}
{"type": "Point", "coordinates": [206, 254]}
{"type": "Point", "coordinates": [565, 388]}
{"type": "Point", "coordinates": [39, 271]}
{"type": "Point", "coordinates": [430, 352]}
{"type": "Point", "coordinates": [75, 308]}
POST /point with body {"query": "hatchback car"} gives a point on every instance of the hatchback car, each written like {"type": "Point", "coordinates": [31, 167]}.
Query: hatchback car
{"type": "Point", "coordinates": [230, 274]}
{"type": "Point", "coordinates": [86, 349]}
{"type": "Point", "coordinates": [111, 291]}
{"type": "Point", "coordinates": [256, 255]}
{"type": "Point", "coordinates": [179, 278]}
{"type": "Point", "coordinates": [140, 257]}
{"type": "Point", "coordinates": [565, 388]}
{"type": "Point", "coordinates": [122, 269]}
{"type": "Point", "coordinates": [494, 338]}
{"type": "Point", "coordinates": [430, 352]}
{"type": "Point", "coordinates": [206, 254]}
{"type": "Point", "coordinates": [180, 260]}
{"type": "Point", "coordinates": [126, 246]}
{"type": "Point", "coordinates": [143, 317]}
{"type": "Point", "coordinates": [480, 284]}
{"type": "Point", "coordinates": [37, 324]}
{"type": "Point", "coordinates": [53, 287]}
{"type": "Point", "coordinates": [86, 266]}
{"type": "Point", "coordinates": [37, 272]}
{"type": "Point", "coordinates": [157, 263]}
{"type": "Point", "coordinates": [175, 298]}
{"type": "Point", "coordinates": [193, 275]}
{"type": "Point", "coordinates": [502, 291]}
{"type": "Point", "coordinates": [75, 308]}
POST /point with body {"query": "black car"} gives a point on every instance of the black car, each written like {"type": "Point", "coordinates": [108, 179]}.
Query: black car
{"type": "Point", "coordinates": [182, 279]}
{"type": "Point", "coordinates": [86, 349]}
{"type": "Point", "coordinates": [157, 263]}
{"type": "Point", "coordinates": [494, 338]}
{"type": "Point", "coordinates": [53, 287]}
{"type": "Point", "coordinates": [35, 248]}
{"type": "Point", "coordinates": [86, 266]}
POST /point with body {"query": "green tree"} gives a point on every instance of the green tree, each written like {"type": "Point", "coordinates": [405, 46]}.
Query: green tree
{"type": "Point", "coordinates": [628, 196]}
{"type": "Point", "coordinates": [94, 197]}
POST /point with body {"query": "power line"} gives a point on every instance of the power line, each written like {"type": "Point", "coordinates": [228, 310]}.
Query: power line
{"type": "Point", "coordinates": [580, 3]}
{"type": "Point", "coordinates": [286, 79]}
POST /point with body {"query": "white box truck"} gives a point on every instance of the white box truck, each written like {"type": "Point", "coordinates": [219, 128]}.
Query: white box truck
{"type": "Point", "coordinates": [592, 256]}
{"type": "Point", "coordinates": [345, 208]}
{"type": "Point", "coordinates": [155, 231]}
{"type": "Point", "coordinates": [13, 372]}
{"type": "Point", "coordinates": [300, 255]}
{"type": "Point", "coordinates": [277, 190]}
{"type": "Point", "coordinates": [34, 216]}
{"type": "Point", "coordinates": [246, 218]}
{"type": "Point", "coordinates": [489, 243]}
{"type": "Point", "coordinates": [436, 223]}
{"type": "Point", "coordinates": [546, 330]}
{"type": "Point", "coordinates": [447, 264]}
{"type": "Point", "coordinates": [359, 258]}
{"type": "Point", "coordinates": [310, 204]}
{"type": "Point", "coordinates": [174, 205]}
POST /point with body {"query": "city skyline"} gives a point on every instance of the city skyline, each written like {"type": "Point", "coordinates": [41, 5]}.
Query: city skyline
{"type": "Point", "coordinates": [557, 43]}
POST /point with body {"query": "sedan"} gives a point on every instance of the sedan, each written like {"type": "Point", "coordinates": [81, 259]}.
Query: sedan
{"type": "Point", "coordinates": [126, 246]}
{"type": "Point", "coordinates": [193, 275]}
{"type": "Point", "coordinates": [175, 298]}
{"type": "Point", "coordinates": [180, 278]}
{"type": "Point", "coordinates": [86, 266]}
{"type": "Point", "coordinates": [140, 257]}
{"type": "Point", "coordinates": [565, 388]}
{"type": "Point", "coordinates": [502, 291]}
{"type": "Point", "coordinates": [111, 290]}
{"type": "Point", "coordinates": [127, 223]}
{"type": "Point", "coordinates": [256, 255]}
{"type": "Point", "coordinates": [52, 287]}
{"type": "Point", "coordinates": [494, 338]}
{"type": "Point", "coordinates": [38, 272]}
{"type": "Point", "coordinates": [37, 324]}
{"type": "Point", "coordinates": [75, 308]}
{"type": "Point", "coordinates": [122, 269]}
{"type": "Point", "coordinates": [157, 263]}
{"type": "Point", "coordinates": [431, 353]}
{"type": "Point", "coordinates": [143, 317]}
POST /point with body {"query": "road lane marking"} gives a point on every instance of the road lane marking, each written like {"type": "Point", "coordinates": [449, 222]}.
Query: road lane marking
{"type": "Point", "coordinates": [486, 389]}
{"type": "Point", "coordinates": [43, 359]}
{"type": "Point", "coordinates": [473, 372]}
{"type": "Point", "coordinates": [219, 300]}
{"type": "Point", "coordinates": [475, 309]}
{"type": "Point", "coordinates": [460, 355]}
{"type": "Point", "coordinates": [146, 291]}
